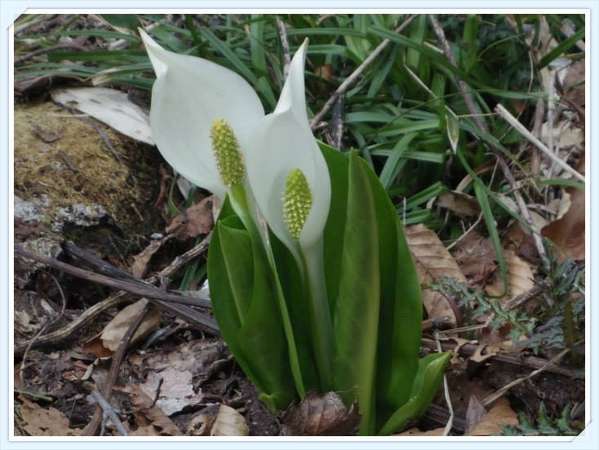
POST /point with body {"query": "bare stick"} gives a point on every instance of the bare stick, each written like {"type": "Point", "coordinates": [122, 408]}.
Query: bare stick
{"type": "Point", "coordinates": [462, 86]}
{"type": "Point", "coordinates": [285, 44]}
{"type": "Point", "coordinates": [194, 318]}
{"type": "Point", "coordinates": [507, 116]}
{"type": "Point", "coordinates": [137, 288]}
{"type": "Point", "coordinates": [92, 427]}
{"type": "Point", "coordinates": [343, 87]}
{"type": "Point", "coordinates": [449, 424]}
{"type": "Point", "coordinates": [501, 391]}
{"type": "Point", "coordinates": [532, 362]}
{"type": "Point", "coordinates": [536, 235]}
{"type": "Point", "coordinates": [109, 412]}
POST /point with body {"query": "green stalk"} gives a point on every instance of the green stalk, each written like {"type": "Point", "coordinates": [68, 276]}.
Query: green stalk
{"type": "Point", "coordinates": [322, 324]}
{"type": "Point", "coordinates": [239, 200]}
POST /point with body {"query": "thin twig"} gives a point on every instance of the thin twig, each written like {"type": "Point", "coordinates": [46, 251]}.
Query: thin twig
{"type": "Point", "coordinates": [449, 424]}
{"type": "Point", "coordinates": [92, 427]}
{"type": "Point", "coordinates": [532, 362]}
{"type": "Point", "coordinates": [352, 78]}
{"type": "Point", "coordinates": [462, 86]}
{"type": "Point", "coordinates": [109, 412]}
{"type": "Point", "coordinates": [191, 316]}
{"type": "Point", "coordinates": [501, 391]}
{"type": "Point", "coordinates": [536, 234]}
{"type": "Point", "coordinates": [507, 116]}
{"type": "Point", "coordinates": [285, 44]}
{"type": "Point", "coordinates": [138, 288]}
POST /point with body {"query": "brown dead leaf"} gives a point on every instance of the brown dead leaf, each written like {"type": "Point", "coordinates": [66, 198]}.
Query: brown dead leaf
{"type": "Point", "coordinates": [229, 423]}
{"type": "Point", "coordinates": [150, 419]}
{"type": "Point", "coordinates": [139, 267]}
{"type": "Point", "coordinates": [175, 388]}
{"type": "Point", "coordinates": [520, 277]}
{"type": "Point", "coordinates": [194, 221]}
{"type": "Point", "coordinates": [498, 417]}
{"type": "Point", "coordinates": [40, 421]}
{"type": "Point", "coordinates": [201, 423]}
{"type": "Point", "coordinates": [475, 412]}
{"type": "Point", "coordinates": [320, 415]}
{"type": "Point", "coordinates": [463, 205]}
{"type": "Point", "coordinates": [476, 258]}
{"type": "Point", "coordinates": [567, 233]}
{"type": "Point", "coordinates": [115, 329]}
{"type": "Point", "coordinates": [417, 432]}
{"type": "Point", "coordinates": [434, 262]}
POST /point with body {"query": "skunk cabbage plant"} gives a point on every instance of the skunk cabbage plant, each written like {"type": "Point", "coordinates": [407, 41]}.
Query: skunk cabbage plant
{"type": "Point", "coordinates": [311, 279]}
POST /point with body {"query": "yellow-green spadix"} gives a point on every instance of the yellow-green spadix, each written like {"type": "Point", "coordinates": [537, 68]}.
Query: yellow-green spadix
{"type": "Point", "coordinates": [283, 144]}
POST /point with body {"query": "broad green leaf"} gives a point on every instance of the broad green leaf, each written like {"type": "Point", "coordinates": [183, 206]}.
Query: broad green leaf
{"type": "Point", "coordinates": [247, 312]}
{"type": "Point", "coordinates": [425, 386]}
{"type": "Point", "coordinates": [297, 307]}
{"type": "Point", "coordinates": [333, 243]}
{"type": "Point", "coordinates": [401, 307]}
{"type": "Point", "coordinates": [356, 314]}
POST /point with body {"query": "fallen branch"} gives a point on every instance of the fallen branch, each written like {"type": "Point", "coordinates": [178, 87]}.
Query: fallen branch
{"type": "Point", "coordinates": [509, 118]}
{"type": "Point", "coordinates": [139, 288]}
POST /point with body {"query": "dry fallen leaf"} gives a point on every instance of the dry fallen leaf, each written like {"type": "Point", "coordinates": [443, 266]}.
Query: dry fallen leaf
{"type": "Point", "coordinates": [38, 421]}
{"type": "Point", "coordinates": [194, 221]}
{"type": "Point", "coordinates": [110, 106]}
{"type": "Point", "coordinates": [434, 262]}
{"type": "Point", "coordinates": [201, 423]}
{"type": "Point", "coordinates": [150, 419]}
{"type": "Point", "coordinates": [568, 232]}
{"type": "Point", "coordinates": [229, 423]}
{"type": "Point", "coordinates": [475, 412]}
{"type": "Point", "coordinates": [115, 329]}
{"type": "Point", "coordinates": [476, 258]}
{"type": "Point", "coordinates": [139, 267]}
{"type": "Point", "coordinates": [320, 414]}
{"type": "Point", "coordinates": [520, 277]}
{"type": "Point", "coordinates": [463, 205]}
{"type": "Point", "coordinates": [499, 416]}
{"type": "Point", "coordinates": [175, 390]}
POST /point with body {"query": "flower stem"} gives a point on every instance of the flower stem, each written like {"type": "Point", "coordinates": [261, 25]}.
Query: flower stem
{"type": "Point", "coordinates": [260, 243]}
{"type": "Point", "coordinates": [322, 325]}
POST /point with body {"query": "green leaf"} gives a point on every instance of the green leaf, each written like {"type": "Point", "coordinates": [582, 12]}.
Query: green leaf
{"type": "Point", "coordinates": [395, 161]}
{"type": "Point", "coordinates": [425, 386]}
{"type": "Point", "coordinates": [401, 307]}
{"type": "Point", "coordinates": [257, 44]}
{"type": "Point", "coordinates": [229, 54]}
{"type": "Point", "coordinates": [120, 21]}
{"type": "Point", "coordinates": [246, 309]}
{"type": "Point", "coordinates": [338, 165]}
{"type": "Point", "coordinates": [357, 307]}
{"type": "Point", "coordinates": [298, 313]}
{"type": "Point", "coordinates": [561, 48]}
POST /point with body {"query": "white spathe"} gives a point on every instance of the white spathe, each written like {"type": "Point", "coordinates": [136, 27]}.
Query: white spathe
{"type": "Point", "coordinates": [189, 94]}
{"type": "Point", "coordinates": [283, 141]}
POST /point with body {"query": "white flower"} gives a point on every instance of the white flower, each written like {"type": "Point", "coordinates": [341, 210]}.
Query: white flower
{"type": "Point", "coordinates": [281, 147]}
{"type": "Point", "coordinates": [189, 96]}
